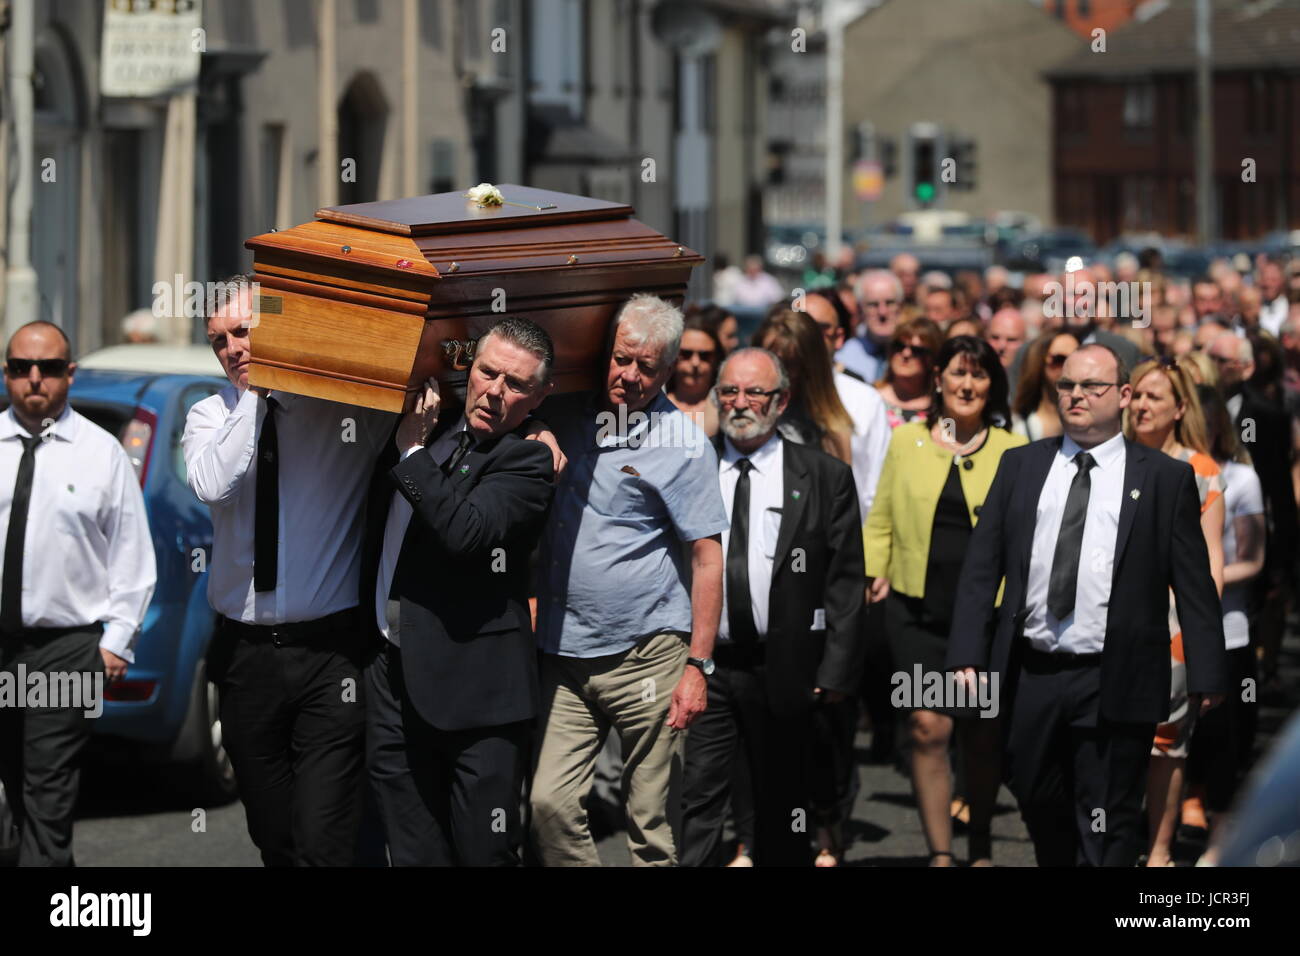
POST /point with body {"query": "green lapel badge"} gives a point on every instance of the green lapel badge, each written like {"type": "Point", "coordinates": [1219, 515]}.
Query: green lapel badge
{"type": "Point", "coordinates": [795, 494]}
{"type": "Point", "coordinates": [464, 469]}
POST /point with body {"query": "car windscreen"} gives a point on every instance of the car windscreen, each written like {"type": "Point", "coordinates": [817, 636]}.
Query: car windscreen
{"type": "Point", "coordinates": [110, 416]}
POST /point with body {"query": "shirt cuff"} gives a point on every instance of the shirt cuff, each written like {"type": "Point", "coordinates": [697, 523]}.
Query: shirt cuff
{"type": "Point", "coordinates": [411, 451]}
{"type": "Point", "coordinates": [118, 637]}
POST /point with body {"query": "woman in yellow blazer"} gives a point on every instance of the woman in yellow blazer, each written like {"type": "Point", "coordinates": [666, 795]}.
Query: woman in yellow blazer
{"type": "Point", "coordinates": [934, 480]}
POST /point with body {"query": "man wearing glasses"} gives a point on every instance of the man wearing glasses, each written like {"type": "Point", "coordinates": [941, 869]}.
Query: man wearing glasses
{"type": "Point", "coordinates": [1078, 525]}
{"type": "Point", "coordinates": [880, 296]}
{"type": "Point", "coordinates": [78, 573]}
{"type": "Point", "coordinates": [790, 637]}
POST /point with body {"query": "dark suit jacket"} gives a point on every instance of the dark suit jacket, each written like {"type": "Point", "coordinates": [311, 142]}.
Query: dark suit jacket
{"type": "Point", "coordinates": [1270, 451]}
{"type": "Point", "coordinates": [468, 652]}
{"type": "Point", "coordinates": [818, 566]}
{"type": "Point", "coordinates": [1159, 545]}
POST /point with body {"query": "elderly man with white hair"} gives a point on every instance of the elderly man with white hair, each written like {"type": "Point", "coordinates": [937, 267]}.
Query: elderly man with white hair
{"type": "Point", "coordinates": [1265, 430]}
{"type": "Point", "coordinates": [625, 627]}
{"type": "Point", "coordinates": [880, 297]}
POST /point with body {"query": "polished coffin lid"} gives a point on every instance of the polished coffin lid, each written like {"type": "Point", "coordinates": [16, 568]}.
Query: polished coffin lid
{"type": "Point", "coordinates": [370, 299]}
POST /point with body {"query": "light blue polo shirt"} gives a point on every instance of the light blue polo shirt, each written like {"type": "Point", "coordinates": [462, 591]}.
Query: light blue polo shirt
{"type": "Point", "coordinates": [614, 567]}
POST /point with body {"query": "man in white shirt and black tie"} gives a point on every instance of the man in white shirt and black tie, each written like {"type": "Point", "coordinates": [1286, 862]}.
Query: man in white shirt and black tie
{"type": "Point", "coordinates": [78, 572]}
{"type": "Point", "coordinates": [789, 640]}
{"type": "Point", "coordinates": [1083, 525]}
{"type": "Point", "coordinates": [285, 477]}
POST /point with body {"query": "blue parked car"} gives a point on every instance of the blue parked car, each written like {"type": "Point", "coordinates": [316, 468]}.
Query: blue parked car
{"type": "Point", "coordinates": [166, 709]}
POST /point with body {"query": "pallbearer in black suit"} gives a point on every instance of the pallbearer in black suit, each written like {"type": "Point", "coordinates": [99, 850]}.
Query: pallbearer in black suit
{"type": "Point", "coordinates": [454, 687]}
{"type": "Point", "coordinates": [1081, 526]}
{"type": "Point", "coordinates": [790, 636]}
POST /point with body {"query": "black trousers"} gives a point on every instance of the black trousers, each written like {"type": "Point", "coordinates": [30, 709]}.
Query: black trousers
{"type": "Point", "coordinates": [41, 747]}
{"type": "Point", "coordinates": [446, 797]}
{"type": "Point", "coordinates": [293, 720]}
{"type": "Point", "coordinates": [1215, 759]}
{"type": "Point", "coordinates": [738, 719]}
{"type": "Point", "coordinates": [1079, 779]}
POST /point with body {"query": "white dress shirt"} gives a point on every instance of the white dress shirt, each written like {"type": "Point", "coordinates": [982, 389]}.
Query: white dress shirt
{"type": "Point", "coordinates": [1273, 314]}
{"type": "Point", "coordinates": [1083, 631]}
{"type": "Point", "coordinates": [399, 519]}
{"type": "Point", "coordinates": [766, 490]}
{"type": "Point", "coordinates": [87, 554]}
{"type": "Point", "coordinates": [871, 434]}
{"type": "Point", "coordinates": [327, 455]}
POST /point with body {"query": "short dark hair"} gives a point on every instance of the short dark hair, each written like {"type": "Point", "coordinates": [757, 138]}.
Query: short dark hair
{"type": "Point", "coordinates": [997, 413]}
{"type": "Point", "coordinates": [224, 291]}
{"type": "Point", "coordinates": [528, 335]}
{"type": "Point", "coordinates": [67, 344]}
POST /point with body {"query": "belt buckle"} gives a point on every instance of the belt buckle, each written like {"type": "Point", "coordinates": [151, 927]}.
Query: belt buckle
{"type": "Point", "coordinates": [276, 635]}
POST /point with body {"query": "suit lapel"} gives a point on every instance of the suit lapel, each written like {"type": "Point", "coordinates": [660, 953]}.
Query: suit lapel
{"type": "Point", "coordinates": [1135, 476]}
{"type": "Point", "coordinates": [794, 498]}
{"type": "Point", "coordinates": [1039, 468]}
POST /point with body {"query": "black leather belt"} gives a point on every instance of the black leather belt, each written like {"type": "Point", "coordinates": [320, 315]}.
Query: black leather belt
{"type": "Point", "coordinates": [38, 635]}
{"type": "Point", "coordinates": [1056, 660]}
{"type": "Point", "coordinates": [294, 632]}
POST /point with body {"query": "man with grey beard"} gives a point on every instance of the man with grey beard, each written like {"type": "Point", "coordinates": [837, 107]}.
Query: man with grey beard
{"type": "Point", "coordinates": [789, 641]}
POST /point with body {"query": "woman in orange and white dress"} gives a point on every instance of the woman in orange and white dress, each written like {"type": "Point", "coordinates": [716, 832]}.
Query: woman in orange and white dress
{"type": "Point", "coordinates": [1166, 415]}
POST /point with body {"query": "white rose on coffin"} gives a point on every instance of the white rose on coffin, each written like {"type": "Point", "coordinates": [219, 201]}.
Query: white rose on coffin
{"type": "Point", "coordinates": [485, 194]}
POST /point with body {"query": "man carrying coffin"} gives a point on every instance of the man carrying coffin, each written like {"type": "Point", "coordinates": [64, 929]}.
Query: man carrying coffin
{"type": "Point", "coordinates": [453, 690]}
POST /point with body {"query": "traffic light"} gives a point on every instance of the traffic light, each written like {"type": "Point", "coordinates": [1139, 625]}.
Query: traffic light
{"type": "Point", "coordinates": [963, 151]}
{"type": "Point", "coordinates": [889, 156]}
{"type": "Point", "coordinates": [925, 170]}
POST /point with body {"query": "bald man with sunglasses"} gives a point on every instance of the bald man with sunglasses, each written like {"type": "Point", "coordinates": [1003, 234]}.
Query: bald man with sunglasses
{"type": "Point", "coordinates": [78, 572]}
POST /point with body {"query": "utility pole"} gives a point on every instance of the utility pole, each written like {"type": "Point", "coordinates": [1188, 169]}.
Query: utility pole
{"type": "Point", "coordinates": [1205, 225]}
{"type": "Point", "coordinates": [834, 23]}
{"type": "Point", "coordinates": [21, 292]}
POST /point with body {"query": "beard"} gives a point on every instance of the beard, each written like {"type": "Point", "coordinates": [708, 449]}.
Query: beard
{"type": "Point", "coordinates": [743, 424]}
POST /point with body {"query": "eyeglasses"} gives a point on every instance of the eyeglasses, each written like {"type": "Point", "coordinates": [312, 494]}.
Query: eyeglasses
{"type": "Point", "coordinates": [1095, 389]}
{"type": "Point", "coordinates": [704, 355]}
{"type": "Point", "coordinates": [727, 394]}
{"type": "Point", "coordinates": [1222, 359]}
{"type": "Point", "coordinates": [880, 303]}
{"type": "Point", "coordinates": [917, 351]}
{"type": "Point", "coordinates": [50, 368]}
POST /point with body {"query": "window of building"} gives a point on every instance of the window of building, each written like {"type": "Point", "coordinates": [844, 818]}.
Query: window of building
{"type": "Point", "coordinates": [431, 23]}
{"type": "Point", "coordinates": [1261, 103]}
{"type": "Point", "coordinates": [557, 64]}
{"type": "Point", "coordinates": [444, 167]}
{"type": "Point", "coordinates": [1139, 106]}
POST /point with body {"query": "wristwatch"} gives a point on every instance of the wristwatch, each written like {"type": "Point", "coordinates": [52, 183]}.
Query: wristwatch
{"type": "Point", "coordinates": [705, 664]}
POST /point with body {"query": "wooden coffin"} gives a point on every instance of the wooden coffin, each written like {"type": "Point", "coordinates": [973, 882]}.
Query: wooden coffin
{"type": "Point", "coordinates": [369, 300]}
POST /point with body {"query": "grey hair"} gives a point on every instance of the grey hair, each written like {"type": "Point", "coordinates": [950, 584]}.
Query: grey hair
{"type": "Point", "coordinates": [652, 320]}
{"type": "Point", "coordinates": [530, 337]}
{"type": "Point", "coordinates": [226, 290]}
{"type": "Point", "coordinates": [877, 275]}
{"type": "Point", "coordinates": [782, 377]}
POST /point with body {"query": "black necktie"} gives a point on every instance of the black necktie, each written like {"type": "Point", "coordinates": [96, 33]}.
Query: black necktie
{"type": "Point", "coordinates": [462, 449]}
{"type": "Point", "coordinates": [266, 520]}
{"type": "Point", "coordinates": [740, 611]}
{"type": "Point", "coordinates": [11, 592]}
{"type": "Point", "coordinates": [1065, 563]}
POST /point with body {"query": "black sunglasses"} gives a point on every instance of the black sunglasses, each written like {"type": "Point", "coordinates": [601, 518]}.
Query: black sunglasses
{"type": "Point", "coordinates": [50, 368]}
{"type": "Point", "coordinates": [705, 355]}
{"type": "Point", "coordinates": [918, 351]}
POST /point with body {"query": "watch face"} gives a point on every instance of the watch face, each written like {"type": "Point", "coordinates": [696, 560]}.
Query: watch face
{"type": "Point", "coordinates": [708, 667]}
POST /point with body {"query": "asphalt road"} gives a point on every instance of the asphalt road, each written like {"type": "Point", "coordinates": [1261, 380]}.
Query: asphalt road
{"type": "Point", "coordinates": [131, 816]}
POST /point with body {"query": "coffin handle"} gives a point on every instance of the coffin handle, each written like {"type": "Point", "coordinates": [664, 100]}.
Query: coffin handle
{"type": "Point", "coordinates": [459, 354]}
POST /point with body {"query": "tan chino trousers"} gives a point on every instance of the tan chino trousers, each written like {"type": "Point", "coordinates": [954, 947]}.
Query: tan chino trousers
{"type": "Point", "coordinates": [582, 699]}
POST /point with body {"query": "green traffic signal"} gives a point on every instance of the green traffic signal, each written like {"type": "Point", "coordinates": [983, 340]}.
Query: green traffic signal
{"type": "Point", "coordinates": [925, 192]}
